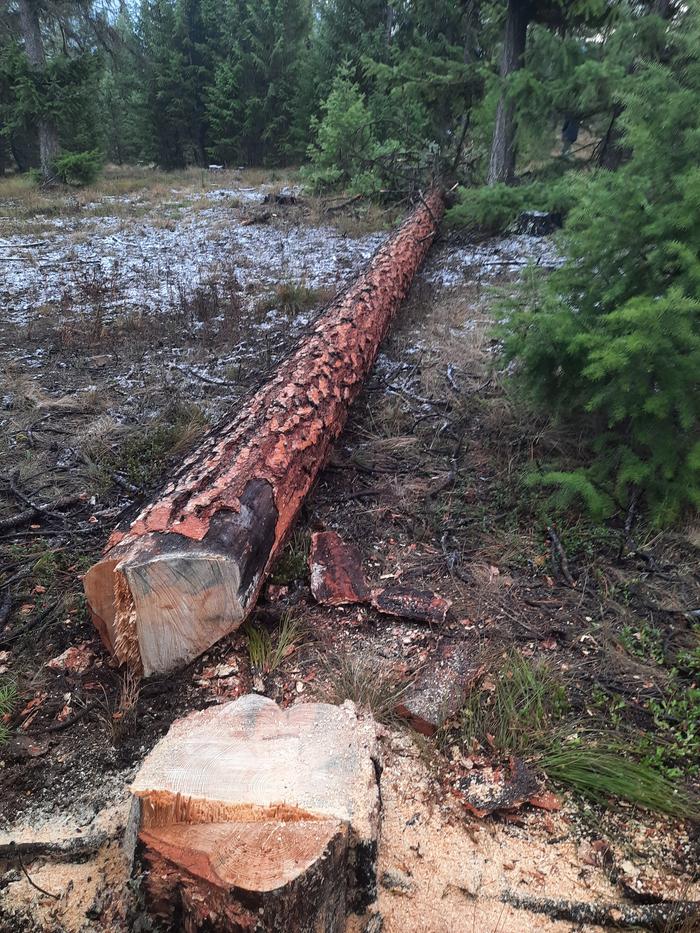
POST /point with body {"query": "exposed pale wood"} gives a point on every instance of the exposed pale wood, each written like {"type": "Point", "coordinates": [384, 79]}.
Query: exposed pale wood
{"type": "Point", "coordinates": [188, 569]}
{"type": "Point", "coordinates": [254, 817]}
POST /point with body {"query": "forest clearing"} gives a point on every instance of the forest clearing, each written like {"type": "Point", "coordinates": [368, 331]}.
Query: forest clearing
{"type": "Point", "coordinates": [104, 397]}
{"type": "Point", "coordinates": [349, 545]}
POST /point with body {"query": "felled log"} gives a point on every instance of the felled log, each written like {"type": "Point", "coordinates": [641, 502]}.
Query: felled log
{"type": "Point", "coordinates": [189, 568]}
{"type": "Point", "coordinates": [257, 818]}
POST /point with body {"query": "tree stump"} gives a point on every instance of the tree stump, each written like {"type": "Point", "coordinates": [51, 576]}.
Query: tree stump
{"type": "Point", "coordinates": [189, 568]}
{"type": "Point", "coordinates": [257, 818]}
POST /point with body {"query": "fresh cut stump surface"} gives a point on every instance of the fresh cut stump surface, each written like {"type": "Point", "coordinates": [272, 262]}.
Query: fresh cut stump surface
{"type": "Point", "coordinates": [188, 569]}
{"type": "Point", "coordinates": [254, 817]}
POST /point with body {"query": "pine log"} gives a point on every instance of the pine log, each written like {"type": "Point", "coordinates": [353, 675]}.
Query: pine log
{"type": "Point", "coordinates": [257, 818]}
{"type": "Point", "coordinates": [189, 568]}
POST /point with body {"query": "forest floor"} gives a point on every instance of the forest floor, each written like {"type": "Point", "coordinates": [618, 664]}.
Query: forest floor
{"type": "Point", "coordinates": [135, 314]}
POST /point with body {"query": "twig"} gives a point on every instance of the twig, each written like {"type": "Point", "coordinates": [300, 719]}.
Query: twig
{"type": "Point", "coordinates": [35, 509]}
{"type": "Point", "coordinates": [66, 724]}
{"type": "Point", "coordinates": [559, 556]}
{"type": "Point", "coordinates": [5, 607]}
{"type": "Point", "coordinates": [32, 623]}
{"type": "Point", "coordinates": [338, 207]}
{"type": "Point", "coordinates": [626, 543]}
{"type": "Point", "coordinates": [32, 883]}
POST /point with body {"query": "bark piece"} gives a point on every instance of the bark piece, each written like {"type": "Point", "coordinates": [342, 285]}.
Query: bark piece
{"type": "Point", "coordinates": [254, 817]}
{"type": "Point", "coordinates": [439, 691]}
{"type": "Point", "coordinates": [409, 603]}
{"type": "Point", "coordinates": [337, 578]}
{"type": "Point", "coordinates": [486, 791]}
{"type": "Point", "coordinates": [188, 569]}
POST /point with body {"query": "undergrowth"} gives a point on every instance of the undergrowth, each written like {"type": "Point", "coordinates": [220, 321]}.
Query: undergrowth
{"type": "Point", "coordinates": [268, 650]}
{"type": "Point", "coordinates": [524, 712]}
{"type": "Point", "coordinates": [356, 678]}
{"type": "Point", "coordinates": [293, 561]}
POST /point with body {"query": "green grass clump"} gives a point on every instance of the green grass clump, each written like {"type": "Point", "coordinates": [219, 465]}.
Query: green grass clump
{"type": "Point", "coordinates": [526, 704]}
{"type": "Point", "coordinates": [601, 772]}
{"type": "Point", "coordinates": [293, 561]}
{"type": "Point", "coordinates": [524, 712]}
{"type": "Point", "coordinates": [267, 651]}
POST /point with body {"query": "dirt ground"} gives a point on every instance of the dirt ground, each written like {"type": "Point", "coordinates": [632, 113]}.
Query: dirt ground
{"type": "Point", "coordinates": [135, 314]}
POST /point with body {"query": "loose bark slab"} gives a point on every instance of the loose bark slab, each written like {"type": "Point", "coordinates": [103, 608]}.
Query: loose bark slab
{"type": "Point", "coordinates": [409, 603]}
{"type": "Point", "coordinates": [486, 791]}
{"type": "Point", "coordinates": [253, 817]}
{"type": "Point", "coordinates": [188, 569]}
{"type": "Point", "coordinates": [337, 578]}
{"type": "Point", "coordinates": [439, 690]}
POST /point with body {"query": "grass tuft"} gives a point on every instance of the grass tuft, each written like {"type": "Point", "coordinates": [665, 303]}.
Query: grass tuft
{"type": "Point", "coordinates": [524, 712]}
{"type": "Point", "coordinates": [268, 651]}
{"type": "Point", "coordinates": [356, 678]}
{"type": "Point", "coordinates": [292, 563]}
{"type": "Point", "coordinates": [291, 298]}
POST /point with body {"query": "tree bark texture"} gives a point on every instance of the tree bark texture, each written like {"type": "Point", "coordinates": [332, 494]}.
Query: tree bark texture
{"type": "Point", "coordinates": [47, 131]}
{"type": "Point", "coordinates": [189, 568]}
{"type": "Point", "coordinates": [502, 162]}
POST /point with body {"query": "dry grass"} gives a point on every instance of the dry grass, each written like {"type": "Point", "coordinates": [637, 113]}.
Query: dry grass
{"type": "Point", "coordinates": [122, 191]}
{"type": "Point", "coordinates": [369, 685]}
{"type": "Point", "coordinates": [118, 716]}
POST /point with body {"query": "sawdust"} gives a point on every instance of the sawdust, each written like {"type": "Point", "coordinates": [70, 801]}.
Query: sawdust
{"type": "Point", "coordinates": [81, 895]}
{"type": "Point", "coordinates": [454, 869]}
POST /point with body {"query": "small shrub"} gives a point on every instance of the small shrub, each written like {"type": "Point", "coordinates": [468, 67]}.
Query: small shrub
{"type": "Point", "coordinates": [493, 208]}
{"type": "Point", "coordinates": [611, 341]}
{"type": "Point", "coordinates": [79, 168]}
{"type": "Point", "coordinates": [342, 153]}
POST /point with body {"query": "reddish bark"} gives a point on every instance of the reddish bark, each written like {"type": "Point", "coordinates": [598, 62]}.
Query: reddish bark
{"type": "Point", "coordinates": [336, 571]}
{"type": "Point", "coordinates": [409, 603]}
{"type": "Point", "coordinates": [189, 568]}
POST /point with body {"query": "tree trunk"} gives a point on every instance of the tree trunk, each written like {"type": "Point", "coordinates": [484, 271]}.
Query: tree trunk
{"type": "Point", "coordinates": [189, 568]}
{"type": "Point", "coordinates": [34, 47]}
{"type": "Point", "coordinates": [502, 162]}
{"type": "Point", "coordinates": [256, 818]}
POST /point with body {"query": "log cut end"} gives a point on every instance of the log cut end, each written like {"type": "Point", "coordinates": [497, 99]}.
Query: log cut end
{"type": "Point", "coordinates": [163, 600]}
{"type": "Point", "coordinates": [254, 817]}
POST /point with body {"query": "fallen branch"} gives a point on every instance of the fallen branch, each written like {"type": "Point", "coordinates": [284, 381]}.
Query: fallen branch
{"type": "Point", "coordinates": [35, 509]}
{"type": "Point", "coordinates": [63, 849]}
{"type": "Point", "coordinates": [663, 916]}
{"type": "Point", "coordinates": [559, 556]}
{"type": "Point", "coordinates": [188, 569]}
{"type": "Point", "coordinates": [331, 208]}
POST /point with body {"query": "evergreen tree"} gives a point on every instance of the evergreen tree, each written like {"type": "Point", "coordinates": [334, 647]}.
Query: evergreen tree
{"type": "Point", "coordinates": [614, 337]}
